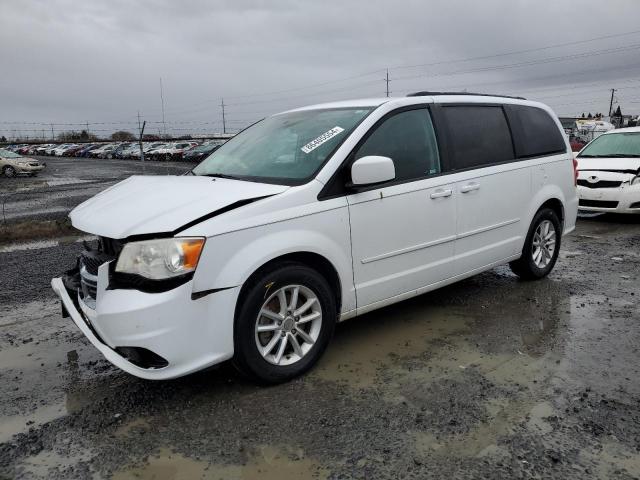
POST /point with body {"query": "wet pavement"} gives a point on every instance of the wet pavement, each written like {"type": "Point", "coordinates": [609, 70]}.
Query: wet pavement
{"type": "Point", "coordinates": [488, 378]}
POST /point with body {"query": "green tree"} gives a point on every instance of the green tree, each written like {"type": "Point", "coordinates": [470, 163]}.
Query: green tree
{"type": "Point", "coordinates": [122, 136]}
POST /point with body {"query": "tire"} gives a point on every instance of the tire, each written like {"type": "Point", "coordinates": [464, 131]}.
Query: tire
{"type": "Point", "coordinates": [262, 292]}
{"type": "Point", "coordinates": [536, 263]}
{"type": "Point", "coordinates": [9, 171]}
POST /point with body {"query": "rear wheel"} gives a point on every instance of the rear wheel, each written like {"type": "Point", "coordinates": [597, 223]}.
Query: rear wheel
{"type": "Point", "coordinates": [284, 324]}
{"type": "Point", "coordinates": [9, 171]}
{"type": "Point", "coordinates": [541, 247]}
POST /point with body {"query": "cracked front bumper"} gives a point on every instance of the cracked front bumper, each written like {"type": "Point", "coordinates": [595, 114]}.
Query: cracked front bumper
{"type": "Point", "coordinates": [189, 334]}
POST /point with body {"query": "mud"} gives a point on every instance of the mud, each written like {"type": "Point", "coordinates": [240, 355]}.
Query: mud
{"type": "Point", "coordinates": [488, 378]}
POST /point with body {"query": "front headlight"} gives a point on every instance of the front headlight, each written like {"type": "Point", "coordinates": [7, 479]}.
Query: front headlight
{"type": "Point", "coordinates": [635, 180]}
{"type": "Point", "coordinates": [23, 164]}
{"type": "Point", "coordinates": [160, 259]}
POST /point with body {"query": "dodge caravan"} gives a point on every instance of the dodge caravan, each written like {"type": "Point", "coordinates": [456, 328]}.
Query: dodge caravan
{"type": "Point", "coordinates": [311, 217]}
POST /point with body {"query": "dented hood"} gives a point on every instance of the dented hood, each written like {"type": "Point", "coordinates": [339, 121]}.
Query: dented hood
{"type": "Point", "coordinates": [154, 204]}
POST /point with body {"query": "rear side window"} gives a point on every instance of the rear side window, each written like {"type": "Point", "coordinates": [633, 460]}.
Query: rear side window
{"type": "Point", "coordinates": [479, 135]}
{"type": "Point", "coordinates": [539, 134]}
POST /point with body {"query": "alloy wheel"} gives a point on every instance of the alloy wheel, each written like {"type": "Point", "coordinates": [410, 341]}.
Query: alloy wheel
{"type": "Point", "coordinates": [288, 325]}
{"type": "Point", "coordinates": [544, 244]}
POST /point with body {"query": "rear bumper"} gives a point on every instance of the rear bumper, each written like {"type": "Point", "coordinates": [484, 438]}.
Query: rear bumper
{"type": "Point", "coordinates": [189, 334]}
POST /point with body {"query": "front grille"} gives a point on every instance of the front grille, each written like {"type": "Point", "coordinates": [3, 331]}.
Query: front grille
{"type": "Point", "coordinates": [635, 205]}
{"type": "Point", "coordinates": [88, 287]}
{"type": "Point", "coordinates": [598, 203]}
{"type": "Point", "coordinates": [89, 262]}
{"type": "Point", "coordinates": [599, 183]}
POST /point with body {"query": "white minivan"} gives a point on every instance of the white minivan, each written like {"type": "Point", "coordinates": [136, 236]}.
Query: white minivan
{"type": "Point", "coordinates": [313, 216]}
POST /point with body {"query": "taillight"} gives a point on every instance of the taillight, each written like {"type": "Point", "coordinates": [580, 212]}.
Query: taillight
{"type": "Point", "coordinates": [575, 172]}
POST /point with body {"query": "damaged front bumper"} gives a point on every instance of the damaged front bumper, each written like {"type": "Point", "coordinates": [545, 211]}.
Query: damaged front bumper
{"type": "Point", "coordinates": [151, 335]}
{"type": "Point", "coordinates": [601, 191]}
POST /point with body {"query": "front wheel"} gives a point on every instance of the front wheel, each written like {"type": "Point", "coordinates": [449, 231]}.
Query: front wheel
{"type": "Point", "coordinates": [285, 321]}
{"type": "Point", "coordinates": [541, 247]}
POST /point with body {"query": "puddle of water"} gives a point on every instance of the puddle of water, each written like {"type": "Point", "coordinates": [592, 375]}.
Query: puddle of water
{"type": "Point", "coordinates": [40, 465]}
{"type": "Point", "coordinates": [610, 458]}
{"type": "Point", "coordinates": [28, 312]}
{"type": "Point", "coordinates": [57, 182]}
{"type": "Point", "coordinates": [482, 440]}
{"type": "Point", "coordinates": [357, 352]}
{"type": "Point", "coordinates": [266, 463]}
{"type": "Point", "coordinates": [10, 426]}
{"type": "Point", "coordinates": [538, 414]}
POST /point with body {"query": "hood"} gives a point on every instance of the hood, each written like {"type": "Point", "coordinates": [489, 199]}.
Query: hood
{"type": "Point", "coordinates": [154, 204]}
{"type": "Point", "coordinates": [628, 165]}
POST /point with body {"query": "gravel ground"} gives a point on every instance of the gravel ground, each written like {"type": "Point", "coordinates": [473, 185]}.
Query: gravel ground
{"type": "Point", "coordinates": [488, 378]}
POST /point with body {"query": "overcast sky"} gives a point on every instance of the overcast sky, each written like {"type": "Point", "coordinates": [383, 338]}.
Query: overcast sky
{"type": "Point", "coordinates": [100, 62]}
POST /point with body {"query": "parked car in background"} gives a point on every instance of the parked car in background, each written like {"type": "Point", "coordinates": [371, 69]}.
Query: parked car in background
{"type": "Point", "coordinates": [13, 164]}
{"type": "Point", "coordinates": [71, 151]}
{"type": "Point", "coordinates": [103, 151]}
{"type": "Point", "coordinates": [200, 152]}
{"type": "Point", "coordinates": [576, 143]}
{"type": "Point", "coordinates": [122, 150]}
{"type": "Point", "coordinates": [609, 172]}
{"type": "Point", "coordinates": [314, 216]}
{"type": "Point", "coordinates": [87, 149]}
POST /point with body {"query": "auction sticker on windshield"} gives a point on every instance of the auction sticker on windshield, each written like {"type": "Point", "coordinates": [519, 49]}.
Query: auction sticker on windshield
{"type": "Point", "coordinates": [325, 137]}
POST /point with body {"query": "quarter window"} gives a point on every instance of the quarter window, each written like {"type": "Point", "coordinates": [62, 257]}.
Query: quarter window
{"type": "Point", "coordinates": [540, 135]}
{"type": "Point", "coordinates": [480, 135]}
{"type": "Point", "coordinates": [408, 138]}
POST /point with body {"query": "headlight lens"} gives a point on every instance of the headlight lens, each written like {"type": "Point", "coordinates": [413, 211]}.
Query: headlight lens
{"type": "Point", "coordinates": [162, 258]}
{"type": "Point", "coordinates": [635, 180]}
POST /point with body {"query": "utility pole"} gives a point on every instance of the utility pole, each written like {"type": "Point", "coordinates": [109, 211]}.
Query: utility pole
{"type": "Point", "coordinates": [224, 122]}
{"type": "Point", "coordinates": [613, 90]}
{"type": "Point", "coordinates": [164, 125]}
{"type": "Point", "coordinates": [52, 136]}
{"type": "Point", "coordinates": [387, 82]}
{"type": "Point", "coordinates": [141, 130]}
{"type": "Point", "coordinates": [88, 136]}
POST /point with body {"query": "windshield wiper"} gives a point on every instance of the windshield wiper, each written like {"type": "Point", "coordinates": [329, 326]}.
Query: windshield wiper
{"type": "Point", "coordinates": [222, 175]}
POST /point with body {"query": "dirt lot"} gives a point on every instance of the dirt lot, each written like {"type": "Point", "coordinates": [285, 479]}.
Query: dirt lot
{"type": "Point", "coordinates": [488, 378]}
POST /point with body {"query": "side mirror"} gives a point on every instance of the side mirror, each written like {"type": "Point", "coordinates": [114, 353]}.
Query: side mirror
{"type": "Point", "coordinates": [372, 169]}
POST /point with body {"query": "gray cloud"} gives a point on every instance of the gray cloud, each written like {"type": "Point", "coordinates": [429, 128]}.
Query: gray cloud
{"type": "Point", "coordinates": [100, 61]}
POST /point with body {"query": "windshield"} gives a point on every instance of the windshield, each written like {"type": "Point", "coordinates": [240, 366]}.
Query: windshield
{"type": "Point", "coordinates": [8, 154]}
{"type": "Point", "coordinates": [613, 145]}
{"type": "Point", "coordinates": [287, 148]}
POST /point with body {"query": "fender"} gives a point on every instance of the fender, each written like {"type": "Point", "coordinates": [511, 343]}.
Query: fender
{"type": "Point", "coordinates": [229, 259]}
{"type": "Point", "coordinates": [543, 194]}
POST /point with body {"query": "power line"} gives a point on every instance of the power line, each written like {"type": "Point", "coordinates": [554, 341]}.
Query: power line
{"type": "Point", "coordinates": [525, 64]}
{"type": "Point", "coordinates": [517, 52]}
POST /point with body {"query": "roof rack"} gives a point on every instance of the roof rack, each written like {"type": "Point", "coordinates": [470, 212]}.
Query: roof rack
{"type": "Point", "coordinates": [431, 94]}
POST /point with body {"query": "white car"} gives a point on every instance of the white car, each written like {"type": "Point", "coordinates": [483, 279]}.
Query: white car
{"type": "Point", "coordinates": [311, 217]}
{"type": "Point", "coordinates": [609, 172]}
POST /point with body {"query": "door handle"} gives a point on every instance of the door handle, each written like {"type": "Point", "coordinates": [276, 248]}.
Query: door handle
{"type": "Point", "coordinates": [441, 193]}
{"type": "Point", "coordinates": [469, 187]}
